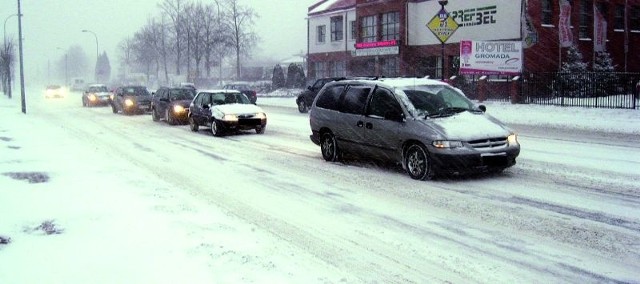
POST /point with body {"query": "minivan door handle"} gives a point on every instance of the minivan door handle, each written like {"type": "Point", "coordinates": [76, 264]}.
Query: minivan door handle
{"type": "Point", "coordinates": [360, 123]}
{"type": "Point", "coordinates": [369, 125]}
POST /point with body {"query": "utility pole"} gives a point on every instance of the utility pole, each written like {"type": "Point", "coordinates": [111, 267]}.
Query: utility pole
{"type": "Point", "coordinates": [22, 95]}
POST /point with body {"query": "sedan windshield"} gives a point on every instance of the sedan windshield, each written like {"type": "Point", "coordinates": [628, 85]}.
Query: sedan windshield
{"type": "Point", "coordinates": [229, 98]}
{"type": "Point", "coordinates": [183, 94]}
{"type": "Point", "coordinates": [136, 91]}
{"type": "Point", "coordinates": [97, 89]}
{"type": "Point", "coordinates": [435, 100]}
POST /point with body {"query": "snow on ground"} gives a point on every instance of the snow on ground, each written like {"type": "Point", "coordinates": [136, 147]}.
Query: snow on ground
{"type": "Point", "coordinates": [53, 233]}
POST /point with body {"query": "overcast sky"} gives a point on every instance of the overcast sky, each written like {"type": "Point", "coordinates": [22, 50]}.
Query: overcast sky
{"type": "Point", "coordinates": [52, 24]}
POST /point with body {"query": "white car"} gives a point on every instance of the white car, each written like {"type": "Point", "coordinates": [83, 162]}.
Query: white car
{"type": "Point", "coordinates": [225, 111]}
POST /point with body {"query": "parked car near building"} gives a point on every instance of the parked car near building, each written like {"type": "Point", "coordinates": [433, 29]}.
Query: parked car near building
{"type": "Point", "coordinates": [131, 99]}
{"type": "Point", "coordinates": [95, 94]}
{"type": "Point", "coordinates": [172, 104]}
{"type": "Point", "coordinates": [305, 99]}
{"type": "Point", "coordinates": [225, 111]}
{"type": "Point", "coordinates": [426, 125]}
{"type": "Point", "coordinates": [245, 89]}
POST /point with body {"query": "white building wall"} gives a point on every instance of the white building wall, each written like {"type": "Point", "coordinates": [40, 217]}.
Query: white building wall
{"type": "Point", "coordinates": [478, 20]}
{"type": "Point", "coordinates": [346, 44]}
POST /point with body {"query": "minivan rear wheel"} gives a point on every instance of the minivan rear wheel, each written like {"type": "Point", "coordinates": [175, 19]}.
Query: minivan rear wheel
{"type": "Point", "coordinates": [418, 163]}
{"type": "Point", "coordinates": [329, 147]}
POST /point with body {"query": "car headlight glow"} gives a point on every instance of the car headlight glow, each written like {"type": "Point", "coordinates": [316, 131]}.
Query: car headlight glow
{"type": "Point", "coordinates": [230, 117]}
{"type": "Point", "coordinates": [442, 144]}
{"type": "Point", "coordinates": [513, 139]}
{"type": "Point", "coordinates": [261, 115]}
{"type": "Point", "coordinates": [128, 102]}
{"type": "Point", "coordinates": [178, 109]}
{"type": "Point", "coordinates": [92, 97]}
{"type": "Point", "coordinates": [111, 97]}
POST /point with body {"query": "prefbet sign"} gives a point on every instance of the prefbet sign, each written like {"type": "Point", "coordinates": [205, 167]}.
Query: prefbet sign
{"type": "Point", "coordinates": [490, 57]}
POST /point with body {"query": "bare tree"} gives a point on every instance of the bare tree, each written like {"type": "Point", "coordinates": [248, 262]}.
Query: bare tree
{"type": "Point", "coordinates": [217, 36]}
{"type": "Point", "coordinates": [7, 58]}
{"type": "Point", "coordinates": [243, 38]}
{"type": "Point", "coordinates": [78, 61]}
{"type": "Point", "coordinates": [175, 10]}
{"type": "Point", "coordinates": [146, 46]}
{"type": "Point", "coordinates": [126, 56]}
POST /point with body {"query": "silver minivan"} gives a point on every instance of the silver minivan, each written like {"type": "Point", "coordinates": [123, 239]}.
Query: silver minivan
{"type": "Point", "coordinates": [426, 125]}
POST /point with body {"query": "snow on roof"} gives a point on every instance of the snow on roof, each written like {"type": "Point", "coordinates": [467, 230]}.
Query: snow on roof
{"type": "Point", "coordinates": [330, 5]}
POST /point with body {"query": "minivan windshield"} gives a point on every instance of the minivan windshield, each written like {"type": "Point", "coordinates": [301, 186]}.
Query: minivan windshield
{"type": "Point", "coordinates": [435, 101]}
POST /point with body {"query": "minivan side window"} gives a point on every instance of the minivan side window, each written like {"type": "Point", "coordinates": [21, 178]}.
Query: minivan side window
{"type": "Point", "coordinates": [355, 99]}
{"type": "Point", "coordinates": [382, 102]}
{"type": "Point", "coordinates": [329, 98]}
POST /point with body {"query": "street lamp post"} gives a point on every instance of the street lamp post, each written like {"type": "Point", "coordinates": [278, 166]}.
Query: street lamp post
{"type": "Point", "coordinates": [4, 43]}
{"type": "Point", "coordinates": [442, 4]}
{"type": "Point", "coordinates": [5, 27]}
{"type": "Point", "coordinates": [94, 35]}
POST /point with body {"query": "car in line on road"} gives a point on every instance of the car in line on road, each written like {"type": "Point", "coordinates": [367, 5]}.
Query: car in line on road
{"type": "Point", "coordinates": [172, 104]}
{"type": "Point", "coordinates": [225, 111]}
{"type": "Point", "coordinates": [55, 91]}
{"type": "Point", "coordinates": [96, 95]}
{"type": "Point", "coordinates": [427, 126]}
{"type": "Point", "coordinates": [131, 99]}
{"type": "Point", "coordinates": [305, 99]}
{"type": "Point", "coordinates": [245, 89]}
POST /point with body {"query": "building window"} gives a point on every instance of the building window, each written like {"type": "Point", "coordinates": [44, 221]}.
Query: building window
{"type": "Point", "coordinates": [320, 68]}
{"type": "Point", "coordinates": [336, 28]}
{"type": "Point", "coordinates": [390, 67]}
{"type": "Point", "coordinates": [391, 26]}
{"type": "Point", "coordinates": [369, 29]}
{"type": "Point", "coordinates": [618, 21]}
{"type": "Point", "coordinates": [586, 17]}
{"type": "Point", "coordinates": [353, 30]}
{"type": "Point", "coordinates": [322, 30]}
{"type": "Point", "coordinates": [339, 69]}
{"type": "Point", "coordinates": [547, 12]}
{"type": "Point", "coordinates": [634, 18]}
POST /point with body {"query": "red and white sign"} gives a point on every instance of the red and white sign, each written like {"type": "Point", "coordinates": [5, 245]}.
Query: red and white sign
{"type": "Point", "coordinates": [599, 30]}
{"type": "Point", "coordinates": [490, 57]}
{"type": "Point", "coordinates": [564, 24]}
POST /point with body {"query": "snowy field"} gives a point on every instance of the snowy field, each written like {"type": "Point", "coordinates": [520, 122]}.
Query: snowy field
{"type": "Point", "coordinates": [87, 196]}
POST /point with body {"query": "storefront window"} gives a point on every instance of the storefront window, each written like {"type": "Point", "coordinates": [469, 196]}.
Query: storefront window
{"type": "Point", "coordinates": [369, 29]}
{"type": "Point", "coordinates": [390, 67]}
{"type": "Point", "coordinates": [391, 26]}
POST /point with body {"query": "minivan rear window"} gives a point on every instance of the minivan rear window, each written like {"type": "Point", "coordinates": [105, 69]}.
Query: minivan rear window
{"type": "Point", "coordinates": [329, 98]}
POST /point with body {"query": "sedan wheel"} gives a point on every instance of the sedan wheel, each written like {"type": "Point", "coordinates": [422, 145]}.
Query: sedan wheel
{"type": "Point", "coordinates": [260, 129]}
{"type": "Point", "coordinates": [329, 147]}
{"type": "Point", "coordinates": [154, 115]}
{"type": "Point", "coordinates": [302, 107]}
{"type": "Point", "coordinates": [216, 129]}
{"type": "Point", "coordinates": [114, 109]}
{"type": "Point", "coordinates": [167, 116]}
{"type": "Point", "coordinates": [418, 163]}
{"type": "Point", "coordinates": [84, 102]}
{"type": "Point", "coordinates": [192, 124]}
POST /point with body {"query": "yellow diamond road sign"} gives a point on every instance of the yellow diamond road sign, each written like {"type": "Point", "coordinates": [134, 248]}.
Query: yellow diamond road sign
{"type": "Point", "coordinates": [442, 25]}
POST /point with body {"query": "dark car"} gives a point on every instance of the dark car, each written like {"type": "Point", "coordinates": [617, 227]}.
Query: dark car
{"type": "Point", "coordinates": [131, 99]}
{"type": "Point", "coordinates": [245, 89]}
{"type": "Point", "coordinates": [96, 94]}
{"type": "Point", "coordinates": [224, 111]}
{"type": "Point", "coordinates": [425, 125]}
{"type": "Point", "coordinates": [305, 99]}
{"type": "Point", "coordinates": [172, 104]}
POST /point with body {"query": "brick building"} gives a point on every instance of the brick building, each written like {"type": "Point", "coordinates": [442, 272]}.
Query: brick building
{"type": "Point", "coordinates": [391, 37]}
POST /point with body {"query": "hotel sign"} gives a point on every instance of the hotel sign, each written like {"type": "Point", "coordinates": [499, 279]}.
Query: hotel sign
{"type": "Point", "coordinates": [387, 47]}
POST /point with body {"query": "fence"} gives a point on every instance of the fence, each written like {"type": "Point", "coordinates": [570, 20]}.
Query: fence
{"type": "Point", "coordinates": [588, 89]}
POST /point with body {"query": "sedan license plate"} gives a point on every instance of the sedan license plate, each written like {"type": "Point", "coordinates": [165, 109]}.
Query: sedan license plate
{"type": "Point", "coordinates": [494, 159]}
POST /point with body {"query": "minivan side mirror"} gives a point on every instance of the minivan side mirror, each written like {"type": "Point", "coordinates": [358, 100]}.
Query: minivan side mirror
{"type": "Point", "coordinates": [483, 108]}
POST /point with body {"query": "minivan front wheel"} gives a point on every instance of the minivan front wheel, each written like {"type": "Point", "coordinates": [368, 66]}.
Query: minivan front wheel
{"type": "Point", "coordinates": [418, 163]}
{"type": "Point", "coordinates": [329, 147]}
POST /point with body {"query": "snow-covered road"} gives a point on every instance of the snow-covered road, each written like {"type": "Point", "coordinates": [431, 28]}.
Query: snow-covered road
{"type": "Point", "coordinates": [568, 212]}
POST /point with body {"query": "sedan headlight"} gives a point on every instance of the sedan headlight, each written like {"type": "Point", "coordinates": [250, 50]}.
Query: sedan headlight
{"type": "Point", "coordinates": [92, 97]}
{"type": "Point", "coordinates": [442, 144]}
{"type": "Point", "coordinates": [178, 109]}
{"type": "Point", "coordinates": [128, 102]}
{"type": "Point", "coordinates": [230, 117]}
{"type": "Point", "coordinates": [261, 115]}
{"type": "Point", "coordinates": [513, 139]}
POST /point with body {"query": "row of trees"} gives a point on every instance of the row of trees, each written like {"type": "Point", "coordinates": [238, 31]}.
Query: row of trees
{"type": "Point", "coordinates": [194, 35]}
